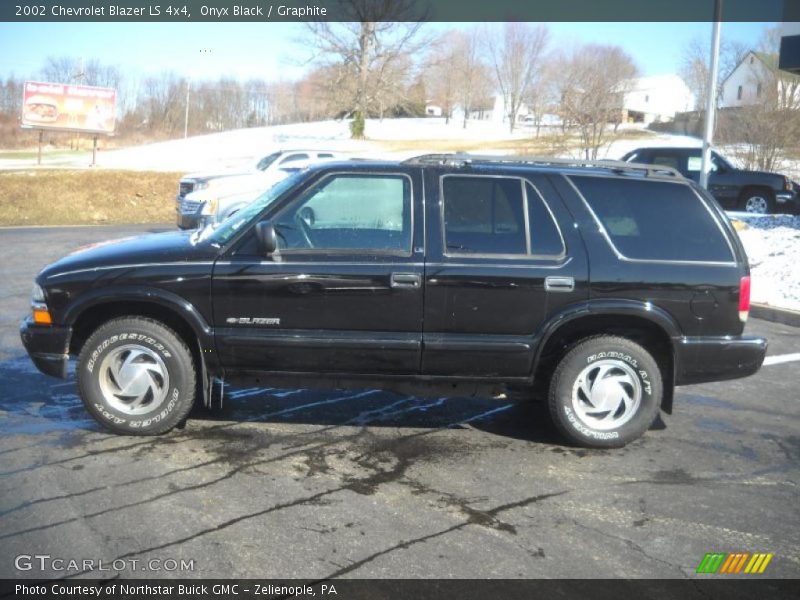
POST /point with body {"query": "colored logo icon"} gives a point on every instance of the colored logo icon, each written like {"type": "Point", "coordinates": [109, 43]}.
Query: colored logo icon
{"type": "Point", "coordinates": [735, 563]}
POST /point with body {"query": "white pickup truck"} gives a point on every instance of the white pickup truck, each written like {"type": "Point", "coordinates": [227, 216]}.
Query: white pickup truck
{"type": "Point", "coordinates": [206, 198]}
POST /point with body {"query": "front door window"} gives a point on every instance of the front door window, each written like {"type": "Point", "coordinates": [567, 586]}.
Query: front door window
{"type": "Point", "coordinates": [350, 213]}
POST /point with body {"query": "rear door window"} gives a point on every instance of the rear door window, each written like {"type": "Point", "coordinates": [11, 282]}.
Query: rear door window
{"type": "Point", "coordinates": [655, 220]}
{"type": "Point", "coordinates": [484, 215]}
{"type": "Point", "coordinates": [669, 159]}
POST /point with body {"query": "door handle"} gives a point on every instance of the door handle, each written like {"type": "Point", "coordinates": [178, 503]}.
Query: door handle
{"type": "Point", "coordinates": [559, 284]}
{"type": "Point", "coordinates": [412, 280]}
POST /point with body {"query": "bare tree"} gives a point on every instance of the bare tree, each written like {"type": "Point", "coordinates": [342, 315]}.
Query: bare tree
{"type": "Point", "coordinates": [62, 69]}
{"type": "Point", "coordinates": [375, 35]}
{"type": "Point", "coordinates": [591, 85]}
{"type": "Point", "coordinates": [398, 89]}
{"type": "Point", "coordinates": [515, 51]}
{"type": "Point", "coordinates": [694, 66]}
{"type": "Point", "coordinates": [473, 77]}
{"type": "Point", "coordinates": [440, 71]}
{"type": "Point", "coordinates": [11, 96]}
{"type": "Point", "coordinates": [543, 97]}
{"type": "Point", "coordinates": [163, 103]}
{"type": "Point", "coordinates": [456, 72]}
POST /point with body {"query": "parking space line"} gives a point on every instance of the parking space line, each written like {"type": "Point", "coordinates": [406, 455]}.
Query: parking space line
{"type": "Point", "coordinates": [781, 358]}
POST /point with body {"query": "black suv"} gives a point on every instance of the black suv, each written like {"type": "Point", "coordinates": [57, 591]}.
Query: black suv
{"type": "Point", "coordinates": [758, 192]}
{"type": "Point", "coordinates": [607, 284]}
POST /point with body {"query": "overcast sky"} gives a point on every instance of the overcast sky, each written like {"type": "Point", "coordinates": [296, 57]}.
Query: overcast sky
{"type": "Point", "coordinates": [272, 50]}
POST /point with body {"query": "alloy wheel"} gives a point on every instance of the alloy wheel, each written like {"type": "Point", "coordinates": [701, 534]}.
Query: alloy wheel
{"type": "Point", "coordinates": [606, 394]}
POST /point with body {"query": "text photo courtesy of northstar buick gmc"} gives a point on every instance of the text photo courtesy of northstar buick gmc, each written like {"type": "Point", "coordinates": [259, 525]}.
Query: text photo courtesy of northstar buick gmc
{"type": "Point", "coordinates": [605, 284]}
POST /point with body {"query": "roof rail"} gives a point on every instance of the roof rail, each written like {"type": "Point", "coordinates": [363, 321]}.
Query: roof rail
{"type": "Point", "coordinates": [464, 159]}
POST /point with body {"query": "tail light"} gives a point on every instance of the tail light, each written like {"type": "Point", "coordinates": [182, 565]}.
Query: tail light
{"type": "Point", "coordinates": [744, 298]}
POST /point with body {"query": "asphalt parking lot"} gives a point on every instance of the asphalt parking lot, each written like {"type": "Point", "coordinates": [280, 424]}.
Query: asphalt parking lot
{"type": "Point", "coordinates": [316, 484]}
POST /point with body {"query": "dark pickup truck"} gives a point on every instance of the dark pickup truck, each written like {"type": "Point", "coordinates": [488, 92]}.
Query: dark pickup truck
{"type": "Point", "coordinates": [603, 285]}
{"type": "Point", "coordinates": [757, 192]}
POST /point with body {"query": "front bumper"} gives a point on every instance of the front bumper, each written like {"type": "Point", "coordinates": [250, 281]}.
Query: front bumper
{"type": "Point", "coordinates": [788, 201]}
{"type": "Point", "coordinates": [188, 221]}
{"type": "Point", "coordinates": [48, 346]}
{"type": "Point", "coordinates": [186, 217]}
{"type": "Point", "coordinates": [703, 359]}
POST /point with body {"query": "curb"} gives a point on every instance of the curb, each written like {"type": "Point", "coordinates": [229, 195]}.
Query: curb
{"type": "Point", "coordinates": [784, 316]}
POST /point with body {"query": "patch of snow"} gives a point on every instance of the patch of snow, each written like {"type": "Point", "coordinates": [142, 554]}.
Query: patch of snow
{"type": "Point", "coordinates": [772, 243]}
{"type": "Point", "coordinates": [237, 149]}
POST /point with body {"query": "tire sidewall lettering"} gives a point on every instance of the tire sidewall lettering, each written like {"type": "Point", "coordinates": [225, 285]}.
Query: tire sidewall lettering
{"type": "Point", "coordinates": [586, 431]}
{"type": "Point", "coordinates": [644, 376]}
{"type": "Point", "coordinates": [133, 337]}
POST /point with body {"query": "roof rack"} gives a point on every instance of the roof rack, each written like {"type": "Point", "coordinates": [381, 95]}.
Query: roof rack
{"type": "Point", "coordinates": [464, 159]}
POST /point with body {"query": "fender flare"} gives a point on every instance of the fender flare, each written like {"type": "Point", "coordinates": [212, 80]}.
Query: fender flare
{"type": "Point", "coordinates": [609, 307]}
{"type": "Point", "coordinates": [166, 299]}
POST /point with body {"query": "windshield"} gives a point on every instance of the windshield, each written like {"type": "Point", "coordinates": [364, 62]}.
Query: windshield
{"type": "Point", "coordinates": [267, 161]}
{"type": "Point", "coordinates": [719, 160]}
{"type": "Point", "coordinates": [228, 228]}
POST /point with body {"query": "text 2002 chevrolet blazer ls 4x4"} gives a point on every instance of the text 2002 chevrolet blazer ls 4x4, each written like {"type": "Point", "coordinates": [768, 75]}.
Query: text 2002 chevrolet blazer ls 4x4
{"type": "Point", "coordinates": [610, 283]}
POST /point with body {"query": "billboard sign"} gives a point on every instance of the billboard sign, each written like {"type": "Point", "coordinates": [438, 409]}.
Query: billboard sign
{"type": "Point", "coordinates": [68, 107]}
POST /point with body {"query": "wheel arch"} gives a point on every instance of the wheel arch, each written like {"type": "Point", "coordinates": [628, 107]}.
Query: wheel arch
{"type": "Point", "coordinates": [643, 323]}
{"type": "Point", "coordinates": [172, 310]}
{"type": "Point", "coordinates": [757, 187]}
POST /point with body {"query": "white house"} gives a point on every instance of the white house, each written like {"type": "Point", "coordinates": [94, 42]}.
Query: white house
{"type": "Point", "coordinates": [433, 110]}
{"type": "Point", "coordinates": [753, 77]}
{"type": "Point", "coordinates": [494, 109]}
{"type": "Point", "coordinates": [656, 98]}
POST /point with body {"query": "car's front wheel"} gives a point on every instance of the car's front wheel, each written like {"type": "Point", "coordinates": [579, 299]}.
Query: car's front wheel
{"type": "Point", "coordinates": [605, 392]}
{"type": "Point", "coordinates": [136, 376]}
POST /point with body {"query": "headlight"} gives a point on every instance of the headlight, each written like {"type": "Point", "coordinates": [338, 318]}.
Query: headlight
{"type": "Point", "coordinates": [201, 185]}
{"type": "Point", "coordinates": [209, 207]}
{"type": "Point", "coordinates": [41, 314]}
{"type": "Point", "coordinates": [787, 184]}
{"type": "Point", "coordinates": [37, 295]}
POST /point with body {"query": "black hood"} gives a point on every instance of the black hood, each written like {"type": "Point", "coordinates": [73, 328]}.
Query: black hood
{"type": "Point", "coordinates": [169, 247]}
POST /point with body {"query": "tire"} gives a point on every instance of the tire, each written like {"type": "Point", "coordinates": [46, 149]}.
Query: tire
{"type": "Point", "coordinates": [632, 394]}
{"type": "Point", "coordinates": [136, 376]}
{"type": "Point", "coordinates": [757, 201]}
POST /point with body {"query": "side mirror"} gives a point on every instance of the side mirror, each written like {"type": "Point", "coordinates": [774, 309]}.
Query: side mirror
{"type": "Point", "coordinates": [267, 237]}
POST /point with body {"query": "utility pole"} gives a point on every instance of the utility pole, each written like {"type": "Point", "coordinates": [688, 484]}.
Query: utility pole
{"type": "Point", "coordinates": [711, 96]}
{"type": "Point", "coordinates": [80, 77]}
{"type": "Point", "coordinates": [186, 115]}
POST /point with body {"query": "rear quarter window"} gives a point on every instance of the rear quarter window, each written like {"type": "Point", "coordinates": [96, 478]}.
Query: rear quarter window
{"type": "Point", "coordinates": [655, 220]}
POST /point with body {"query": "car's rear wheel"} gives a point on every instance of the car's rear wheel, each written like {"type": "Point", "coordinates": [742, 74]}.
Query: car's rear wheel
{"type": "Point", "coordinates": [136, 376]}
{"type": "Point", "coordinates": [758, 202]}
{"type": "Point", "coordinates": [605, 392]}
